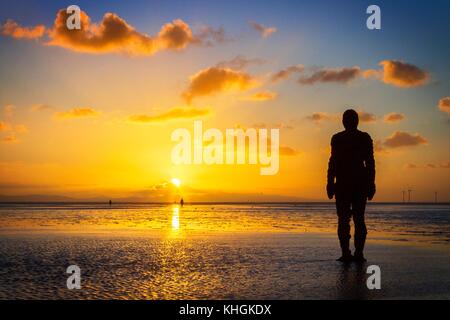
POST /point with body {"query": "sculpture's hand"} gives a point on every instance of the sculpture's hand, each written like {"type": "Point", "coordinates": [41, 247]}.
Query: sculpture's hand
{"type": "Point", "coordinates": [330, 190]}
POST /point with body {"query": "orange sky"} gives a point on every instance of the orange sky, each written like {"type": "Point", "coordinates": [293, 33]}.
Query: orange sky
{"type": "Point", "coordinates": [90, 115]}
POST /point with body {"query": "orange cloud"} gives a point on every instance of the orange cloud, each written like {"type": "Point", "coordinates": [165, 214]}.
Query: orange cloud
{"type": "Point", "coordinates": [41, 107]}
{"type": "Point", "coordinates": [8, 110]}
{"type": "Point", "coordinates": [366, 117]}
{"type": "Point", "coordinates": [288, 151]}
{"type": "Point", "coordinates": [322, 116]}
{"type": "Point", "coordinates": [173, 114]}
{"type": "Point", "coordinates": [215, 79]}
{"type": "Point", "coordinates": [444, 105]}
{"type": "Point", "coordinates": [12, 29]}
{"type": "Point", "coordinates": [76, 113]}
{"type": "Point", "coordinates": [444, 165]}
{"type": "Point", "coordinates": [399, 74]}
{"type": "Point", "coordinates": [10, 139]}
{"type": "Point", "coordinates": [4, 126]}
{"type": "Point", "coordinates": [114, 35]}
{"type": "Point", "coordinates": [340, 75]}
{"type": "Point", "coordinates": [262, 96]}
{"type": "Point", "coordinates": [393, 117]}
{"type": "Point", "coordinates": [21, 128]}
{"type": "Point", "coordinates": [264, 31]}
{"type": "Point", "coordinates": [287, 72]}
{"type": "Point", "coordinates": [404, 139]}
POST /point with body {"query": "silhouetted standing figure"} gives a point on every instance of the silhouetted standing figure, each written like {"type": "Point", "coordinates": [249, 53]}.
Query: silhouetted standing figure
{"type": "Point", "coordinates": [181, 202]}
{"type": "Point", "coordinates": [351, 179]}
{"type": "Point", "coordinates": [110, 203]}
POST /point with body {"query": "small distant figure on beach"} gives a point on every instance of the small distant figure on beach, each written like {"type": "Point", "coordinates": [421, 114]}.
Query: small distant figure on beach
{"type": "Point", "coordinates": [351, 180]}
{"type": "Point", "coordinates": [110, 203]}
{"type": "Point", "coordinates": [181, 202]}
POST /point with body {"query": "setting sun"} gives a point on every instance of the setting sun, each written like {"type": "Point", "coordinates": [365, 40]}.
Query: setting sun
{"type": "Point", "coordinates": [176, 182]}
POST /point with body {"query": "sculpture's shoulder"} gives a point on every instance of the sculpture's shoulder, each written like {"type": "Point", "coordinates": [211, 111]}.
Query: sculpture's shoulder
{"type": "Point", "coordinates": [338, 137]}
{"type": "Point", "coordinates": [365, 136]}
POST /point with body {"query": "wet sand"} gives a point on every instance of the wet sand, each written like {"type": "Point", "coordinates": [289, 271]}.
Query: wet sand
{"type": "Point", "coordinates": [181, 262]}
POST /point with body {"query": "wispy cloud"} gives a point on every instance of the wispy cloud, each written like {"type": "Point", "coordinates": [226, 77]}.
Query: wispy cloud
{"type": "Point", "coordinates": [4, 126]}
{"type": "Point", "coordinates": [287, 72]}
{"type": "Point", "coordinates": [288, 151]}
{"type": "Point", "coordinates": [13, 29]}
{"type": "Point", "coordinates": [393, 117]}
{"type": "Point", "coordinates": [76, 113]}
{"type": "Point", "coordinates": [443, 165]}
{"type": "Point", "coordinates": [339, 75]}
{"type": "Point", "coordinates": [41, 107]}
{"type": "Point", "coordinates": [11, 138]}
{"type": "Point", "coordinates": [318, 117]}
{"type": "Point", "coordinates": [261, 96]}
{"type": "Point", "coordinates": [173, 114]}
{"type": "Point", "coordinates": [240, 62]}
{"type": "Point", "coordinates": [322, 116]}
{"type": "Point", "coordinates": [264, 31]}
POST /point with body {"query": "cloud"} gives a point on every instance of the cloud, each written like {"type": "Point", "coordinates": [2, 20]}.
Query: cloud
{"type": "Point", "coordinates": [322, 116]}
{"type": "Point", "coordinates": [366, 117]}
{"type": "Point", "coordinates": [209, 36]}
{"type": "Point", "coordinates": [215, 79]}
{"type": "Point", "coordinates": [393, 72]}
{"type": "Point", "coordinates": [404, 139]}
{"type": "Point", "coordinates": [76, 113]}
{"type": "Point", "coordinates": [339, 75]}
{"type": "Point", "coordinates": [399, 74]}
{"type": "Point", "coordinates": [261, 96]}
{"type": "Point", "coordinates": [444, 165]}
{"type": "Point", "coordinates": [393, 117]}
{"type": "Point", "coordinates": [41, 107]}
{"type": "Point", "coordinates": [4, 126]}
{"type": "Point", "coordinates": [263, 125]}
{"type": "Point", "coordinates": [8, 110]}
{"type": "Point", "coordinates": [288, 151]}
{"type": "Point", "coordinates": [239, 62]}
{"type": "Point", "coordinates": [114, 35]}
{"type": "Point", "coordinates": [173, 114]}
{"type": "Point", "coordinates": [378, 147]}
{"type": "Point", "coordinates": [264, 31]}
{"type": "Point", "coordinates": [11, 138]}
{"type": "Point", "coordinates": [12, 29]}
{"type": "Point", "coordinates": [287, 72]}
{"type": "Point", "coordinates": [444, 105]}
{"type": "Point", "coordinates": [20, 128]}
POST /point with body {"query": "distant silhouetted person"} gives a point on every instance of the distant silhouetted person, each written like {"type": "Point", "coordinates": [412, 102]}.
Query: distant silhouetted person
{"type": "Point", "coordinates": [351, 179]}
{"type": "Point", "coordinates": [110, 202]}
{"type": "Point", "coordinates": [181, 202]}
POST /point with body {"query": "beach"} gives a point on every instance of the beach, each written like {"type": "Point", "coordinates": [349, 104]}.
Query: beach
{"type": "Point", "coordinates": [219, 251]}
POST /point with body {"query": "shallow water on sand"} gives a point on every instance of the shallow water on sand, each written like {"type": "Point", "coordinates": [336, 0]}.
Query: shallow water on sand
{"type": "Point", "coordinates": [218, 252]}
{"type": "Point", "coordinates": [423, 223]}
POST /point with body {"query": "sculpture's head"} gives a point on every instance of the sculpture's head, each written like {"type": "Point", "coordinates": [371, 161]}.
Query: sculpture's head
{"type": "Point", "coordinates": [350, 119]}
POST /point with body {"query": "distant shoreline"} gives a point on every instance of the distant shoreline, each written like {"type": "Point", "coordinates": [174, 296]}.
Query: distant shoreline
{"type": "Point", "coordinates": [211, 203]}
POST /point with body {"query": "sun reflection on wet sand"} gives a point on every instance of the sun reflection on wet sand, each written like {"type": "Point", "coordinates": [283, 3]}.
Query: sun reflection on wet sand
{"type": "Point", "coordinates": [399, 223]}
{"type": "Point", "coordinates": [175, 218]}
